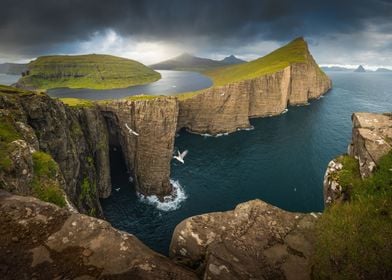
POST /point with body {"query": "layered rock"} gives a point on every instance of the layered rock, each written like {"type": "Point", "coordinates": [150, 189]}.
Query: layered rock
{"type": "Point", "coordinates": [228, 108]}
{"type": "Point", "coordinates": [39, 240]}
{"type": "Point", "coordinates": [147, 151]}
{"type": "Point", "coordinates": [254, 241]}
{"type": "Point", "coordinates": [371, 139]}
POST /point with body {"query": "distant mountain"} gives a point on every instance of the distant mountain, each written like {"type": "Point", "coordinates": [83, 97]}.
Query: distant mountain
{"type": "Point", "coordinates": [12, 68]}
{"type": "Point", "coordinates": [360, 69]}
{"type": "Point", "coordinates": [335, 68]}
{"type": "Point", "coordinates": [193, 63]}
{"type": "Point", "coordinates": [232, 59]}
{"type": "Point", "coordinates": [383, 70]}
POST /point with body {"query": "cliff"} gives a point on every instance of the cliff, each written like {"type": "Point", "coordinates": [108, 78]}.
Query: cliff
{"type": "Point", "coordinates": [77, 139]}
{"type": "Point", "coordinates": [39, 240]}
{"type": "Point", "coordinates": [148, 154]}
{"type": "Point", "coordinates": [264, 87]}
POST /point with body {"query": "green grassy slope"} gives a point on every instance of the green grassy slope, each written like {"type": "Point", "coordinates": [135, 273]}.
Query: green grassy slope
{"type": "Point", "coordinates": [354, 238]}
{"type": "Point", "coordinates": [87, 71]}
{"type": "Point", "coordinates": [294, 52]}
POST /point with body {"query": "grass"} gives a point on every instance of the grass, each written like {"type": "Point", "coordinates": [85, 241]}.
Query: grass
{"type": "Point", "coordinates": [88, 191]}
{"type": "Point", "coordinates": [294, 52]}
{"type": "Point", "coordinates": [45, 184]}
{"type": "Point", "coordinates": [354, 239]}
{"type": "Point", "coordinates": [77, 102]}
{"type": "Point", "coordinates": [8, 133]}
{"type": "Point", "coordinates": [87, 71]}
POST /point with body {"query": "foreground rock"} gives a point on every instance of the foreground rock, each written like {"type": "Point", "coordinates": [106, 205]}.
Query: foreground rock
{"type": "Point", "coordinates": [254, 241]}
{"type": "Point", "coordinates": [41, 241]}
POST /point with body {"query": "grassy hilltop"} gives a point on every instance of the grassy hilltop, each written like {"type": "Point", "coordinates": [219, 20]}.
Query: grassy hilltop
{"type": "Point", "coordinates": [86, 71]}
{"type": "Point", "coordinates": [294, 52]}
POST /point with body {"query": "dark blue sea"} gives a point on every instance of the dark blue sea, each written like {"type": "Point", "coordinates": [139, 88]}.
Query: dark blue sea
{"type": "Point", "coordinates": [282, 161]}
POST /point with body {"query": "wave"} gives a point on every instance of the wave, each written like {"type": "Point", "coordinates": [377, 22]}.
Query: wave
{"type": "Point", "coordinates": [170, 202]}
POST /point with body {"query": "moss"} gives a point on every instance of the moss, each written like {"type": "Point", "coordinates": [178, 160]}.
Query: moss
{"type": "Point", "coordinates": [76, 129]}
{"type": "Point", "coordinates": [77, 102]}
{"type": "Point", "coordinates": [8, 133]}
{"type": "Point", "coordinates": [349, 175]}
{"type": "Point", "coordinates": [88, 191]}
{"type": "Point", "coordinates": [45, 184]}
{"type": "Point", "coordinates": [87, 71]}
{"type": "Point", "coordinates": [354, 239]}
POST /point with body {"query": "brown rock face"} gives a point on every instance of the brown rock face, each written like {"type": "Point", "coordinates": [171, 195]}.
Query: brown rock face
{"type": "Point", "coordinates": [76, 139]}
{"type": "Point", "coordinates": [228, 108]}
{"type": "Point", "coordinates": [149, 153]}
{"type": "Point", "coordinates": [371, 139]}
{"type": "Point", "coordinates": [254, 241]}
{"type": "Point", "coordinates": [39, 240]}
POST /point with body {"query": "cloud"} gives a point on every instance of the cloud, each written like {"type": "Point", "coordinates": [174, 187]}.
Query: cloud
{"type": "Point", "coordinates": [156, 28]}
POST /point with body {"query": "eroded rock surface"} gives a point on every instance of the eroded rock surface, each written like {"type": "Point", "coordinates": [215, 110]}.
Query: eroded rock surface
{"type": "Point", "coordinates": [254, 241]}
{"type": "Point", "coordinates": [41, 241]}
{"type": "Point", "coordinates": [371, 139]}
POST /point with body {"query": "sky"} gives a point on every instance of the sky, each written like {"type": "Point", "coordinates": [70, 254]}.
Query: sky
{"type": "Point", "coordinates": [339, 32]}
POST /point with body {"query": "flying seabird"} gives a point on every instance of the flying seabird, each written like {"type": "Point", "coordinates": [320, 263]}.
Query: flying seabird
{"type": "Point", "coordinates": [181, 156]}
{"type": "Point", "coordinates": [131, 131]}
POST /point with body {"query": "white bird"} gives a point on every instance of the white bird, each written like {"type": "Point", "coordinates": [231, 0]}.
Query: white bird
{"type": "Point", "coordinates": [181, 156]}
{"type": "Point", "coordinates": [117, 189]}
{"type": "Point", "coordinates": [222, 94]}
{"type": "Point", "coordinates": [130, 179]}
{"type": "Point", "coordinates": [131, 131]}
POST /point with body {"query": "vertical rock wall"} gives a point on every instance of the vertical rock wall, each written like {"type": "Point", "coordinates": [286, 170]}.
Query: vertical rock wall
{"type": "Point", "coordinates": [149, 153]}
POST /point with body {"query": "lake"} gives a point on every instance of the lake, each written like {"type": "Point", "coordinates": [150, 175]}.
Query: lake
{"type": "Point", "coordinates": [171, 82]}
{"type": "Point", "coordinates": [282, 161]}
{"type": "Point", "coordinates": [6, 79]}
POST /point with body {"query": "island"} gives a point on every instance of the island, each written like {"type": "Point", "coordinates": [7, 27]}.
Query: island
{"type": "Point", "coordinates": [93, 71]}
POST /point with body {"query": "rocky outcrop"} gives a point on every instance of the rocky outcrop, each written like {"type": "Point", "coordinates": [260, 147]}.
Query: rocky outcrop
{"type": "Point", "coordinates": [371, 139]}
{"type": "Point", "coordinates": [41, 241]}
{"type": "Point", "coordinates": [254, 241]}
{"type": "Point", "coordinates": [149, 150]}
{"type": "Point", "coordinates": [228, 108]}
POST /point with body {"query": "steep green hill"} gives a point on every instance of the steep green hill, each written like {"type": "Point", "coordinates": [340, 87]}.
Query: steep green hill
{"type": "Point", "coordinates": [86, 71]}
{"type": "Point", "coordinates": [293, 52]}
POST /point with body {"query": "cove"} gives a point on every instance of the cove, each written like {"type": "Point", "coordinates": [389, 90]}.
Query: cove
{"type": "Point", "coordinates": [171, 82]}
{"type": "Point", "coordinates": [282, 161]}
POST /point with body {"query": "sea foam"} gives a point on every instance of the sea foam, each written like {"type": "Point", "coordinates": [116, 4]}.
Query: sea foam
{"type": "Point", "coordinates": [170, 202]}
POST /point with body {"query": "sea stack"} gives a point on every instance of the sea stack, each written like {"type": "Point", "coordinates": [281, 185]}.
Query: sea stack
{"type": "Point", "coordinates": [360, 69]}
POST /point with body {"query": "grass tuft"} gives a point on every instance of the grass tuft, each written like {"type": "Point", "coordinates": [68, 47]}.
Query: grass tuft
{"type": "Point", "coordinates": [45, 184]}
{"type": "Point", "coordinates": [354, 239]}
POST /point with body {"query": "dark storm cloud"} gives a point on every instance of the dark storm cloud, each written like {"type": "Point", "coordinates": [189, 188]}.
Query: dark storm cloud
{"type": "Point", "coordinates": [28, 25]}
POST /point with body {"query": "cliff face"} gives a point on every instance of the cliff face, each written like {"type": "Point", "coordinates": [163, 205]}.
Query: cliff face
{"type": "Point", "coordinates": [228, 108]}
{"type": "Point", "coordinates": [79, 138]}
{"type": "Point", "coordinates": [254, 241]}
{"type": "Point", "coordinates": [75, 138]}
{"type": "Point", "coordinates": [371, 139]}
{"type": "Point", "coordinates": [43, 241]}
{"type": "Point", "coordinates": [149, 153]}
